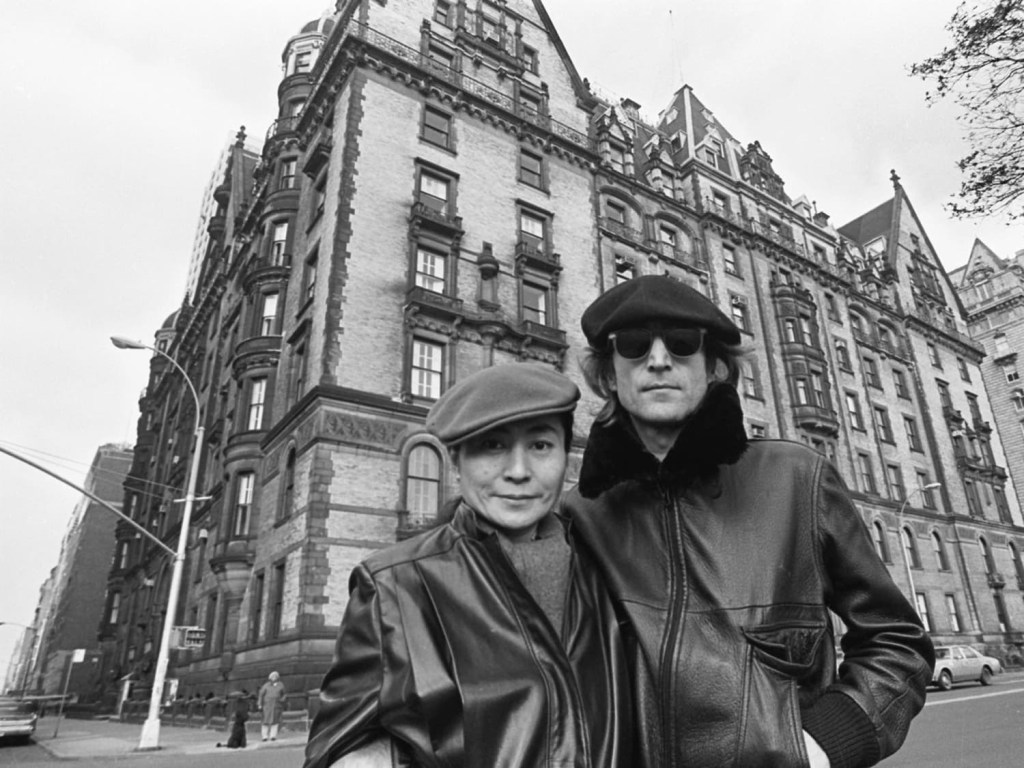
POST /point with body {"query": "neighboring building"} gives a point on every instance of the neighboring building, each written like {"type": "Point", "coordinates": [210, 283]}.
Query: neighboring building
{"type": "Point", "coordinates": [441, 191]}
{"type": "Point", "coordinates": [992, 291]}
{"type": "Point", "coordinates": [72, 601]}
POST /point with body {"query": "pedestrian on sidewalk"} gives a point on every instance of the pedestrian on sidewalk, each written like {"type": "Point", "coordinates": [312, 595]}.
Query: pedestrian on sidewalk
{"type": "Point", "coordinates": [240, 709]}
{"type": "Point", "coordinates": [271, 705]}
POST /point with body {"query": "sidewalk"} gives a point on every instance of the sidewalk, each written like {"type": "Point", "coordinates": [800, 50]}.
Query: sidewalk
{"type": "Point", "coordinates": [111, 738]}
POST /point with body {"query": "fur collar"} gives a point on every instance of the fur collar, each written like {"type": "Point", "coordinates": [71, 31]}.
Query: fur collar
{"type": "Point", "coordinates": [712, 435]}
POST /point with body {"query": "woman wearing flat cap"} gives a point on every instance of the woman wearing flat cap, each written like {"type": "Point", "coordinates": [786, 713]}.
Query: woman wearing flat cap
{"type": "Point", "coordinates": [488, 641]}
{"type": "Point", "coordinates": [726, 556]}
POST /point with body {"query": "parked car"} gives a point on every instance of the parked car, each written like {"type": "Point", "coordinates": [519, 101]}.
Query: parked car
{"type": "Point", "coordinates": [17, 717]}
{"type": "Point", "coordinates": [957, 663]}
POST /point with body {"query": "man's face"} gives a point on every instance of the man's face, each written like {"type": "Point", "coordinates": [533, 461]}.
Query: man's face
{"type": "Point", "coordinates": [512, 475]}
{"type": "Point", "coordinates": [660, 389]}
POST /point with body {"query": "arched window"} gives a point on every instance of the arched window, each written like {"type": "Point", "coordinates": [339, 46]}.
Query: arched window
{"type": "Point", "coordinates": [910, 547]}
{"type": "Point", "coordinates": [986, 553]}
{"type": "Point", "coordinates": [423, 481]}
{"type": "Point", "coordinates": [1018, 565]}
{"type": "Point", "coordinates": [878, 534]}
{"type": "Point", "coordinates": [940, 552]}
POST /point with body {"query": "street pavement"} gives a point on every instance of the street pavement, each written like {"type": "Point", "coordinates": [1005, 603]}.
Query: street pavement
{"type": "Point", "coordinates": [90, 739]}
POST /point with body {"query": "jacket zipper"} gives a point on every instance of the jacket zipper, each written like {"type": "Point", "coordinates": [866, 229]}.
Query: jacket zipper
{"type": "Point", "coordinates": [678, 594]}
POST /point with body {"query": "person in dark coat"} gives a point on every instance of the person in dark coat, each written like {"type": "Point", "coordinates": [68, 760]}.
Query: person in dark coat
{"type": "Point", "coordinates": [239, 717]}
{"type": "Point", "coordinates": [728, 556]}
{"type": "Point", "coordinates": [488, 641]}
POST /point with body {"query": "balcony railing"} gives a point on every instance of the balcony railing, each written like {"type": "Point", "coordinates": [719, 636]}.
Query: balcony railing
{"type": "Point", "coordinates": [538, 255]}
{"type": "Point", "coordinates": [437, 219]}
{"type": "Point", "coordinates": [619, 229]}
{"type": "Point", "coordinates": [544, 333]}
{"type": "Point", "coordinates": [282, 125]}
{"type": "Point", "coordinates": [430, 299]}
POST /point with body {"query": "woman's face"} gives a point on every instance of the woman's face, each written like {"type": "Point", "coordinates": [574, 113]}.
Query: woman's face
{"type": "Point", "coordinates": [512, 475]}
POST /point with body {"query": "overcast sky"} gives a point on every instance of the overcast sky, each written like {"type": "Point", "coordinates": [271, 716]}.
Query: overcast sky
{"type": "Point", "coordinates": [115, 112]}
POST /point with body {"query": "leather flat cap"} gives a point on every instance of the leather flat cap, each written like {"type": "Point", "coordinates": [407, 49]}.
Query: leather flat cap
{"type": "Point", "coordinates": [654, 299]}
{"type": "Point", "coordinates": [500, 395]}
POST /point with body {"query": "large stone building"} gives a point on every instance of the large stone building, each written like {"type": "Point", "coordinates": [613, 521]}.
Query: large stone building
{"type": "Point", "coordinates": [442, 191]}
{"type": "Point", "coordinates": [72, 599]}
{"type": "Point", "coordinates": [992, 292]}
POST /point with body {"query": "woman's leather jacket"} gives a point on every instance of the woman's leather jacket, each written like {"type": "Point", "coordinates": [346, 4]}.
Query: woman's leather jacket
{"type": "Point", "coordinates": [443, 648]}
{"type": "Point", "coordinates": [726, 558]}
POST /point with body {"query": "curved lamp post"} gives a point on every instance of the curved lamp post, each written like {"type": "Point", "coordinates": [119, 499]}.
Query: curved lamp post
{"type": "Point", "coordinates": [28, 661]}
{"type": "Point", "coordinates": [903, 544]}
{"type": "Point", "coordinates": [150, 738]}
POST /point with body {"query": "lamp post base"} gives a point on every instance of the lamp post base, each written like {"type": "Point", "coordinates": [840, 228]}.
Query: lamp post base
{"type": "Point", "coordinates": [150, 737]}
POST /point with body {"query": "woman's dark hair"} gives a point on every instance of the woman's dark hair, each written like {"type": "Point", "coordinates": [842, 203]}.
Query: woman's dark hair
{"type": "Point", "coordinates": [724, 362]}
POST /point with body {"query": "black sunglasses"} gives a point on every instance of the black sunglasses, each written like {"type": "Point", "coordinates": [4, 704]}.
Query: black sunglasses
{"type": "Point", "coordinates": [635, 343]}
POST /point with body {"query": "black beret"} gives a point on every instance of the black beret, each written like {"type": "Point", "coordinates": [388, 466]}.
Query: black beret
{"type": "Point", "coordinates": [654, 298]}
{"type": "Point", "coordinates": [499, 395]}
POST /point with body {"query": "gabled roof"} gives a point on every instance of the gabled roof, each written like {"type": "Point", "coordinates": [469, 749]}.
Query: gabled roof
{"type": "Point", "coordinates": [981, 256]}
{"type": "Point", "coordinates": [874, 223]}
{"type": "Point", "coordinates": [574, 76]}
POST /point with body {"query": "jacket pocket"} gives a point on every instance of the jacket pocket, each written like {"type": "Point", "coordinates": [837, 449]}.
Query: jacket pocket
{"type": "Point", "coordinates": [791, 649]}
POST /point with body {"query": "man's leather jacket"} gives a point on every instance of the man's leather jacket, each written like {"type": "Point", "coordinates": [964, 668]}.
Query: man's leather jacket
{"type": "Point", "coordinates": [726, 559]}
{"type": "Point", "coordinates": [443, 648]}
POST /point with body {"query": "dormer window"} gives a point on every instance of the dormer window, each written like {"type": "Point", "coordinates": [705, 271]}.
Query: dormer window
{"type": "Point", "coordinates": [617, 158]}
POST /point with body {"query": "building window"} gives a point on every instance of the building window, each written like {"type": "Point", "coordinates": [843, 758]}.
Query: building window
{"type": "Point", "coordinates": [802, 394]}
{"type": "Point", "coordinates": [443, 12]}
{"type": "Point", "coordinates": [927, 497]}
{"type": "Point", "coordinates": [973, 502]}
{"type": "Point", "coordinates": [298, 372]}
{"type": "Point", "coordinates": [440, 58]}
{"type": "Point", "coordinates": [900, 380]}
{"type": "Point", "coordinates": [1001, 506]}
{"type": "Point", "coordinates": [268, 315]}
{"type": "Point", "coordinates": [531, 61]}
{"type": "Point", "coordinates": [758, 431]}
{"type": "Point", "coordinates": [531, 169]}
{"type": "Point", "coordinates": [211, 621]}
{"type": "Point", "coordinates": [1010, 371]}
{"type": "Point", "coordinates": [243, 504]}
{"type": "Point", "coordinates": [807, 335]}
{"type": "Point", "coordinates": [789, 328]}
{"type": "Point", "coordinates": [309, 276]}
{"type": "Point", "coordinates": [751, 380]}
{"type": "Point", "coordinates": [922, 610]}
{"type": "Point", "coordinates": [276, 601]}
{"type": "Point", "coordinates": [279, 243]}
{"type": "Point", "coordinates": [895, 476]}
{"type": "Point", "coordinates": [533, 230]}
{"type": "Point", "coordinates": [871, 377]}
{"type": "Point", "coordinates": [288, 174]}
{"type": "Point", "coordinates": [883, 429]}
{"type": "Point", "coordinates": [114, 610]}
{"type": "Point", "coordinates": [955, 625]}
{"type": "Point", "coordinates": [667, 242]}
{"type": "Point", "coordinates": [818, 388]}
{"type": "Point", "coordinates": [939, 548]}
{"type": "Point", "coordinates": [867, 475]}
{"type": "Point", "coordinates": [256, 607]}
{"type": "Point", "coordinates": [961, 365]}
{"type": "Point", "coordinates": [910, 547]}
{"type": "Point", "coordinates": [303, 62]}
{"type": "Point", "coordinates": [430, 269]}
{"type": "Point", "coordinates": [740, 315]}
{"type": "Point", "coordinates": [913, 438]}
{"type": "Point", "coordinates": [257, 396]}
{"type": "Point", "coordinates": [624, 269]}
{"type": "Point", "coordinates": [287, 488]}
{"type": "Point", "coordinates": [616, 213]}
{"type": "Point", "coordinates": [319, 197]}
{"type": "Point", "coordinates": [123, 548]}
{"type": "Point", "coordinates": [729, 257]}
{"type": "Point", "coordinates": [434, 191]}
{"type": "Point", "coordinates": [944, 398]}
{"type": "Point", "coordinates": [1017, 398]}
{"type": "Point", "coordinates": [843, 354]}
{"type": "Point", "coordinates": [617, 158]}
{"type": "Point", "coordinates": [423, 482]}
{"type": "Point", "coordinates": [437, 127]}
{"type": "Point", "coordinates": [933, 355]}
{"type": "Point", "coordinates": [1018, 564]}
{"type": "Point", "coordinates": [1001, 614]}
{"type": "Point", "coordinates": [427, 369]}
{"type": "Point", "coordinates": [881, 545]}
{"type": "Point", "coordinates": [853, 409]}
{"type": "Point", "coordinates": [535, 303]}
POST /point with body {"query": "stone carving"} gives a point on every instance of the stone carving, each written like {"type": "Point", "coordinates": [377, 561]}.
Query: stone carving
{"type": "Point", "coordinates": [363, 431]}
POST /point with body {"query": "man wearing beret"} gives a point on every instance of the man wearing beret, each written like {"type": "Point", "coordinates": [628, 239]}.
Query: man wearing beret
{"type": "Point", "coordinates": [726, 555]}
{"type": "Point", "coordinates": [487, 641]}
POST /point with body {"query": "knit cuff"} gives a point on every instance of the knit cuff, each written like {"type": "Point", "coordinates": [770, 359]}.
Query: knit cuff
{"type": "Point", "coordinates": [843, 730]}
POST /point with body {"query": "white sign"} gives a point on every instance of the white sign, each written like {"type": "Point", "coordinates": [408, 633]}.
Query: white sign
{"type": "Point", "coordinates": [78, 656]}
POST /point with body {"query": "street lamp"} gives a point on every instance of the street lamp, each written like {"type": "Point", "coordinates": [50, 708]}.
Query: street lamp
{"type": "Point", "coordinates": [28, 660]}
{"type": "Point", "coordinates": [150, 738]}
{"type": "Point", "coordinates": [902, 533]}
